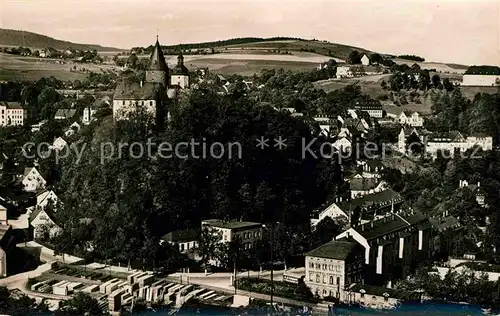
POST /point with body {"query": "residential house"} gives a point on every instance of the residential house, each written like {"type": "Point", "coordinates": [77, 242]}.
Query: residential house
{"type": "Point", "coordinates": [7, 243]}
{"type": "Point", "coordinates": [411, 118]}
{"type": "Point", "coordinates": [36, 127]}
{"type": "Point", "coordinates": [476, 189]}
{"type": "Point", "coordinates": [32, 180]}
{"type": "Point", "coordinates": [363, 209]}
{"type": "Point", "coordinates": [65, 114]}
{"type": "Point", "coordinates": [59, 144]}
{"type": "Point", "coordinates": [394, 245]}
{"type": "Point", "coordinates": [328, 126]}
{"type": "Point", "coordinates": [361, 185]}
{"type": "Point", "coordinates": [365, 60]}
{"type": "Point", "coordinates": [343, 144]}
{"type": "Point", "coordinates": [12, 114]}
{"type": "Point", "coordinates": [344, 72]}
{"type": "Point", "coordinates": [372, 167]}
{"type": "Point", "coordinates": [42, 223]}
{"type": "Point", "coordinates": [331, 268]}
{"type": "Point", "coordinates": [45, 197]}
{"type": "Point", "coordinates": [373, 107]}
{"type": "Point", "coordinates": [184, 240]}
{"type": "Point", "coordinates": [248, 233]}
{"type": "Point", "coordinates": [72, 130]}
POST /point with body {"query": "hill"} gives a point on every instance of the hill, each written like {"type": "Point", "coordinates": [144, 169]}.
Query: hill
{"type": "Point", "coordinates": [33, 40]}
{"type": "Point", "coordinates": [271, 45]}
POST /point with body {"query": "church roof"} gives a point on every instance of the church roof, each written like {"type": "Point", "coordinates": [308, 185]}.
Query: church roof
{"type": "Point", "coordinates": [157, 60]}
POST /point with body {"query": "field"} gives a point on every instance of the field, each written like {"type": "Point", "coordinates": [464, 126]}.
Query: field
{"type": "Point", "coordinates": [370, 85]}
{"type": "Point", "coordinates": [339, 51]}
{"type": "Point", "coordinates": [440, 67]}
{"type": "Point", "coordinates": [14, 67]}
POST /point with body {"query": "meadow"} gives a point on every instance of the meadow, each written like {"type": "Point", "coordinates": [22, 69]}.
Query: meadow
{"type": "Point", "coordinates": [13, 67]}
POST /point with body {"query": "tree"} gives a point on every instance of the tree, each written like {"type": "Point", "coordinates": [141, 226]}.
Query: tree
{"type": "Point", "coordinates": [436, 81]}
{"type": "Point", "coordinates": [209, 244]}
{"type": "Point", "coordinates": [415, 67]}
{"type": "Point", "coordinates": [80, 304]}
{"type": "Point", "coordinates": [354, 57]}
{"type": "Point", "coordinates": [447, 85]}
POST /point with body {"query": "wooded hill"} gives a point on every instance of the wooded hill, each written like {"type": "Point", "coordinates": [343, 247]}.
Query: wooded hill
{"type": "Point", "coordinates": [34, 40]}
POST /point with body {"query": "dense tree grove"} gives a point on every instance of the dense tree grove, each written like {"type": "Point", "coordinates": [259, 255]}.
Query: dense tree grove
{"type": "Point", "coordinates": [134, 201]}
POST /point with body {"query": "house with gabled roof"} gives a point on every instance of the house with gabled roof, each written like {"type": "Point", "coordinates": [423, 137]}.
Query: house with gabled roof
{"type": "Point", "coordinates": [362, 209]}
{"type": "Point", "coordinates": [332, 267]}
{"type": "Point", "coordinates": [411, 118]}
{"type": "Point", "coordinates": [32, 180]}
{"type": "Point", "coordinates": [73, 129]}
{"type": "Point", "coordinates": [43, 224]}
{"type": "Point", "coordinates": [65, 114]}
{"type": "Point", "coordinates": [59, 144]}
{"type": "Point", "coordinates": [476, 189]}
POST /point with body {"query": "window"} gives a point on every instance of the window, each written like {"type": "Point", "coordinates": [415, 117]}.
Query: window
{"type": "Point", "coordinates": [151, 103]}
{"type": "Point", "coordinates": [331, 267]}
{"type": "Point", "coordinates": [311, 265]}
{"type": "Point", "coordinates": [386, 298]}
{"type": "Point", "coordinates": [123, 102]}
{"type": "Point", "coordinates": [311, 277]}
{"type": "Point", "coordinates": [338, 280]}
{"type": "Point", "coordinates": [324, 267]}
{"type": "Point", "coordinates": [324, 279]}
{"type": "Point", "coordinates": [331, 280]}
{"type": "Point", "coordinates": [318, 266]}
{"type": "Point", "coordinates": [317, 278]}
{"type": "Point", "coordinates": [325, 293]}
{"type": "Point", "coordinates": [182, 247]}
{"type": "Point", "coordinates": [362, 295]}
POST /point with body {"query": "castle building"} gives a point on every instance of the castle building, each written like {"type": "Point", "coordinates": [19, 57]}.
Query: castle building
{"type": "Point", "coordinates": [156, 92]}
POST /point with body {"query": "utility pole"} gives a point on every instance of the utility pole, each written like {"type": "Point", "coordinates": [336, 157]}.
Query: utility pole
{"type": "Point", "coordinates": [272, 264]}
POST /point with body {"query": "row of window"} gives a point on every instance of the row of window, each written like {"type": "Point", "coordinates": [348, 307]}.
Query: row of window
{"type": "Point", "coordinates": [248, 235]}
{"type": "Point", "coordinates": [140, 102]}
{"type": "Point", "coordinates": [330, 267]}
{"type": "Point", "coordinates": [326, 279]}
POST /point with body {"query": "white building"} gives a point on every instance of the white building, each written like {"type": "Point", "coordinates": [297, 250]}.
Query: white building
{"type": "Point", "coordinates": [365, 60]}
{"type": "Point", "coordinates": [247, 232]}
{"type": "Point", "coordinates": [12, 114]}
{"type": "Point", "coordinates": [32, 180]}
{"type": "Point", "coordinates": [485, 76]}
{"type": "Point", "coordinates": [3, 215]}
{"type": "Point", "coordinates": [455, 141]}
{"type": "Point", "coordinates": [73, 129]}
{"type": "Point", "coordinates": [333, 267]}
{"type": "Point", "coordinates": [343, 144]}
{"type": "Point", "coordinates": [43, 224]}
{"type": "Point", "coordinates": [373, 107]}
{"type": "Point", "coordinates": [59, 144]}
{"type": "Point", "coordinates": [410, 118]}
{"type": "Point", "coordinates": [344, 72]}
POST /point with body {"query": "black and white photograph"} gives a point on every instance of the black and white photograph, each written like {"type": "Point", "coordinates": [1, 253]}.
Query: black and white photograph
{"type": "Point", "coordinates": [248, 158]}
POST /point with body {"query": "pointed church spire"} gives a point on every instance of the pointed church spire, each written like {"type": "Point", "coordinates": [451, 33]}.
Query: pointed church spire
{"type": "Point", "coordinates": [157, 60]}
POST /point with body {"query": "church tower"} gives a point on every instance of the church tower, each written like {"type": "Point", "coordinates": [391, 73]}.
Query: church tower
{"type": "Point", "coordinates": [157, 71]}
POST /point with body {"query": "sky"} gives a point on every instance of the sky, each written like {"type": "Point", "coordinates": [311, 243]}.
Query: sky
{"type": "Point", "coordinates": [465, 32]}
